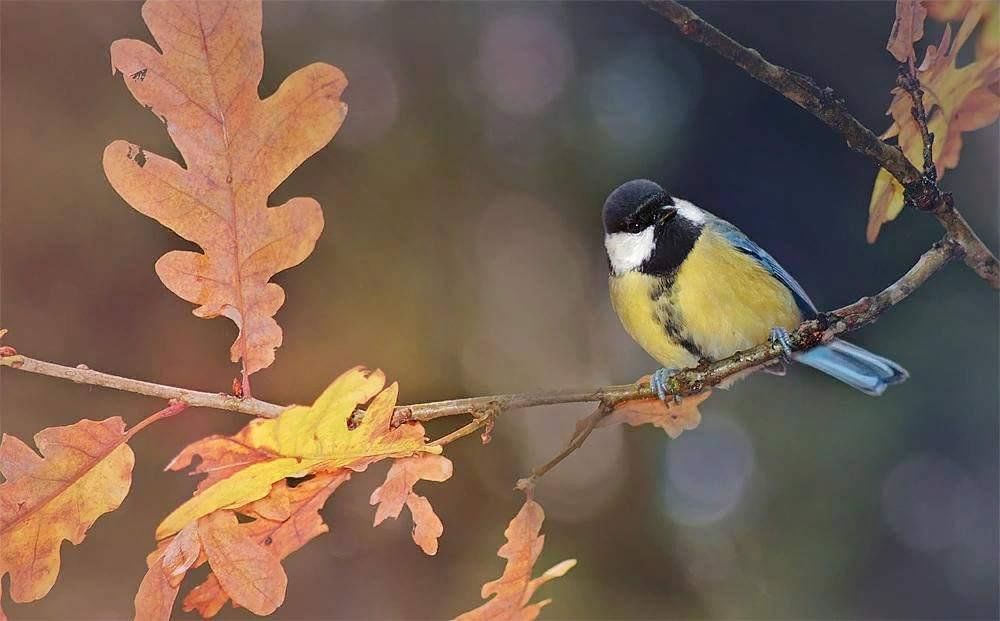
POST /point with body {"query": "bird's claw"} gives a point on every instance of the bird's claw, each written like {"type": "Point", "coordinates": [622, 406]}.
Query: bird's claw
{"type": "Point", "coordinates": [779, 337]}
{"type": "Point", "coordinates": [658, 382]}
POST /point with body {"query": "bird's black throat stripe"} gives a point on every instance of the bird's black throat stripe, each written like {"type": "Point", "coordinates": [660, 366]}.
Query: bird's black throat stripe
{"type": "Point", "coordinates": [673, 242]}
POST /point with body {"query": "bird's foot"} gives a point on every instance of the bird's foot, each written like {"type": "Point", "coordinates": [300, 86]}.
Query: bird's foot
{"type": "Point", "coordinates": [779, 336]}
{"type": "Point", "coordinates": [658, 382]}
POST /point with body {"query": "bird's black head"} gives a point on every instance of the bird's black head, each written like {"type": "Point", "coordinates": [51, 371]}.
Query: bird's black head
{"type": "Point", "coordinates": [647, 230]}
{"type": "Point", "coordinates": [635, 205]}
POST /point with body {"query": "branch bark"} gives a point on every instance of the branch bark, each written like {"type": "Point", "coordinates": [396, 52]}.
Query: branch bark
{"type": "Point", "coordinates": [687, 382]}
{"type": "Point", "coordinates": [921, 190]}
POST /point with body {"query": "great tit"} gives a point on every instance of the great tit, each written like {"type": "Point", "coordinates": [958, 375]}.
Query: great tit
{"type": "Point", "coordinates": [691, 287]}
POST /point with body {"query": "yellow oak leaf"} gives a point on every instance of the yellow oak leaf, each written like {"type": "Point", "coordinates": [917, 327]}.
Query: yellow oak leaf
{"type": "Point", "coordinates": [398, 490]}
{"type": "Point", "coordinates": [956, 100]}
{"type": "Point", "coordinates": [302, 440]}
{"type": "Point", "coordinates": [237, 149]}
{"type": "Point", "coordinates": [513, 590]}
{"type": "Point", "coordinates": [85, 471]}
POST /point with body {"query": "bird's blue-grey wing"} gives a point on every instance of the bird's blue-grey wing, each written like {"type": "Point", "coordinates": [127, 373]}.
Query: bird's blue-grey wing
{"type": "Point", "coordinates": [744, 244]}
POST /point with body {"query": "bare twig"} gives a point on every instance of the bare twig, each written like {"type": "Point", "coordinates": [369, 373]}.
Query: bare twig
{"type": "Point", "coordinates": [690, 381]}
{"type": "Point", "coordinates": [826, 106]}
{"type": "Point", "coordinates": [194, 398]}
{"type": "Point", "coordinates": [583, 430]}
{"type": "Point", "coordinates": [909, 82]}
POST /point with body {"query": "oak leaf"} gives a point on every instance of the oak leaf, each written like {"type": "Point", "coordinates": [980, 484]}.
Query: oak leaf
{"type": "Point", "coordinates": [301, 440]}
{"type": "Point", "coordinates": [286, 532]}
{"type": "Point", "coordinates": [85, 471]}
{"type": "Point", "coordinates": [673, 418]}
{"type": "Point", "coordinates": [907, 29]}
{"type": "Point", "coordinates": [167, 566]}
{"type": "Point", "coordinates": [956, 100]}
{"type": "Point", "coordinates": [236, 148]}
{"type": "Point", "coordinates": [398, 490]}
{"type": "Point", "coordinates": [513, 590]}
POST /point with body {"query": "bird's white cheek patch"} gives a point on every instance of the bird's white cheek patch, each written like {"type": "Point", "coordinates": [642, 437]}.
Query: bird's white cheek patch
{"type": "Point", "coordinates": [627, 251]}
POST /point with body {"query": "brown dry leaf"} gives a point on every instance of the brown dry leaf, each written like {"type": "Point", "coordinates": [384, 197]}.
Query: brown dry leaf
{"type": "Point", "coordinates": [247, 571]}
{"type": "Point", "coordinates": [514, 589]}
{"type": "Point", "coordinates": [907, 29]}
{"type": "Point", "coordinates": [84, 472]}
{"type": "Point", "coordinates": [673, 418]}
{"type": "Point", "coordinates": [398, 490]}
{"type": "Point", "coordinates": [281, 537]}
{"type": "Point", "coordinates": [237, 149]}
{"type": "Point", "coordinates": [956, 99]}
{"type": "Point", "coordinates": [167, 566]}
{"type": "Point", "coordinates": [302, 440]}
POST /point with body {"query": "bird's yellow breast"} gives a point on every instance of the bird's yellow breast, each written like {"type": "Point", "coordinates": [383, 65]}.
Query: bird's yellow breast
{"type": "Point", "coordinates": [718, 302]}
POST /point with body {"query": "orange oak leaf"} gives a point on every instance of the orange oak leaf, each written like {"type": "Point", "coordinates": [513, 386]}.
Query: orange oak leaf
{"type": "Point", "coordinates": [907, 29]}
{"type": "Point", "coordinates": [237, 149]}
{"type": "Point", "coordinates": [398, 490]}
{"type": "Point", "coordinates": [956, 99]}
{"type": "Point", "coordinates": [167, 566]}
{"type": "Point", "coordinates": [515, 588]}
{"type": "Point", "coordinates": [673, 418]}
{"type": "Point", "coordinates": [247, 571]}
{"type": "Point", "coordinates": [302, 440]}
{"type": "Point", "coordinates": [300, 524]}
{"type": "Point", "coordinates": [84, 472]}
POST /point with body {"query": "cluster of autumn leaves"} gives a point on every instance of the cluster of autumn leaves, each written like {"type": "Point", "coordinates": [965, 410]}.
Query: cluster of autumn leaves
{"type": "Point", "coordinates": [956, 99]}
{"type": "Point", "coordinates": [264, 487]}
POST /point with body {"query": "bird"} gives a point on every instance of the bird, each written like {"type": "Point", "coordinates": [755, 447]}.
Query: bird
{"type": "Point", "coordinates": [690, 288]}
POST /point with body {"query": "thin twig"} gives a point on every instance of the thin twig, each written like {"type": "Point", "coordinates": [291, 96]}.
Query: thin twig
{"type": "Point", "coordinates": [826, 106]}
{"type": "Point", "coordinates": [194, 398]}
{"type": "Point", "coordinates": [583, 430]}
{"type": "Point", "coordinates": [687, 382]}
{"type": "Point", "coordinates": [909, 82]}
{"type": "Point", "coordinates": [477, 423]}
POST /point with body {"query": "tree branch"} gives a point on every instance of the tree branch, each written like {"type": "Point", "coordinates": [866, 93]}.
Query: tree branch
{"type": "Point", "coordinates": [687, 382]}
{"type": "Point", "coordinates": [194, 398]}
{"type": "Point", "coordinates": [922, 191]}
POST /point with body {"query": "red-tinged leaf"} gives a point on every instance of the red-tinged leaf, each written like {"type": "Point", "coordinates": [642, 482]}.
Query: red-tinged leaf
{"type": "Point", "coordinates": [514, 589]}
{"type": "Point", "coordinates": [236, 148]}
{"type": "Point", "coordinates": [249, 573]}
{"type": "Point", "coordinates": [673, 418]}
{"type": "Point", "coordinates": [299, 525]}
{"type": "Point", "coordinates": [398, 490]}
{"type": "Point", "coordinates": [85, 471]}
{"type": "Point", "coordinates": [907, 29]}
{"type": "Point", "coordinates": [167, 567]}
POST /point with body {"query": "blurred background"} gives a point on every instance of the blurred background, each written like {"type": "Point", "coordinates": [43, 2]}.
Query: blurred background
{"type": "Point", "coordinates": [463, 254]}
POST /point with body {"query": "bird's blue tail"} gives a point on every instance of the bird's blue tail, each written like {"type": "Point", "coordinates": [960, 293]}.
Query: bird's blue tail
{"type": "Point", "coordinates": [854, 366]}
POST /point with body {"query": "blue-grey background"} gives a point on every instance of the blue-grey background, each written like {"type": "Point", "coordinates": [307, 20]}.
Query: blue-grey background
{"type": "Point", "coordinates": [463, 254]}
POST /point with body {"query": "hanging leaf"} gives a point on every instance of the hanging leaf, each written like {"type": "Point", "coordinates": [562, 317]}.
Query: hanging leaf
{"type": "Point", "coordinates": [84, 472]}
{"type": "Point", "coordinates": [513, 591]}
{"type": "Point", "coordinates": [398, 490]}
{"type": "Point", "coordinates": [673, 418]}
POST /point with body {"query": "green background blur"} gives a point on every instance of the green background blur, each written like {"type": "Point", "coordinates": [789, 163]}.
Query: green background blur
{"type": "Point", "coordinates": [463, 254]}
